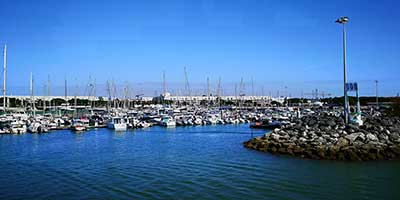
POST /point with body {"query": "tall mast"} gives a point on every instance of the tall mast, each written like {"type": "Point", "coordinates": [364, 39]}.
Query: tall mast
{"type": "Point", "coordinates": [236, 97]}
{"type": "Point", "coordinates": [114, 93]}
{"type": "Point", "coordinates": [4, 77]}
{"type": "Point", "coordinates": [48, 91]}
{"type": "Point", "coordinates": [75, 100]}
{"type": "Point", "coordinates": [241, 92]}
{"type": "Point", "coordinates": [65, 89]}
{"type": "Point", "coordinates": [219, 91]}
{"type": "Point", "coordinates": [252, 91]}
{"type": "Point", "coordinates": [89, 87]}
{"type": "Point", "coordinates": [125, 93]}
{"type": "Point", "coordinates": [208, 91]}
{"type": "Point", "coordinates": [32, 96]}
{"type": "Point", "coordinates": [94, 94]}
{"type": "Point", "coordinates": [164, 84]}
{"type": "Point", "coordinates": [44, 98]}
{"type": "Point", "coordinates": [187, 87]}
{"type": "Point", "coordinates": [109, 95]}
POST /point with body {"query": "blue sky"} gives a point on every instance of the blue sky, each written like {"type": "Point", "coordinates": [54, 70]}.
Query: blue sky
{"type": "Point", "coordinates": [292, 43]}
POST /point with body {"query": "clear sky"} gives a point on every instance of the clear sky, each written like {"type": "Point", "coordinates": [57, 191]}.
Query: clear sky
{"type": "Point", "coordinates": [278, 43]}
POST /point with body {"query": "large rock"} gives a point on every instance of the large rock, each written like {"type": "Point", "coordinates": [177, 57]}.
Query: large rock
{"type": "Point", "coordinates": [394, 137]}
{"type": "Point", "coordinates": [275, 136]}
{"type": "Point", "coordinates": [355, 136]}
{"type": "Point", "coordinates": [371, 137]}
{"type": "Point", "coordinates": [342, 142]}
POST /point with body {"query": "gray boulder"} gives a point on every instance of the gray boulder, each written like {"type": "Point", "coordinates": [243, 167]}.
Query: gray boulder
{"type": "Point", "coordinates": [371, 137]}
{"type": "Point", "coordinates": [355, 136]}
{"type": "Point", "coordinates": [394, 137]}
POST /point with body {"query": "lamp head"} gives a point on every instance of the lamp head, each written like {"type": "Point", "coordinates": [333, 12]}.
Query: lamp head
{"type": "Point", "coordinates": [342, 20]}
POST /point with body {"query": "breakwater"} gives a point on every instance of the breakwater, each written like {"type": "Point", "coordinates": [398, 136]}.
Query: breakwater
{"type": "Point", "coordinates": [324, 136]}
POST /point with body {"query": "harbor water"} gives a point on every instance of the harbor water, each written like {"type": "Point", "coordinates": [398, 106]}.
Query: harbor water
{"type": "Point", "coordinates": [200, 162]}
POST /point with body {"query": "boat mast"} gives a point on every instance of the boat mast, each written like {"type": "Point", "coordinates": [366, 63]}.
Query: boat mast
{"type": "Point", "coordinates": [44, 98]}
{"type": "Point", "coordinates": [65, 89]}
{"type": "Point", "coordinates": [208, 92]}
{"type": "Point", "coordinates": [89, 88]}
{"type": "Point", "coordinates": [241, 93]}
{"type": "Point", "coordinates": [187, 87]}
{"type": "Point", "coordinates": [164, 84]}
{"type": "Point", "coordinates": [109, 96]}
{"type": "Point", "coordinates": [164, 89]}
{"type": "Point", "coordinates": [4, 77]}
{"type": "Point", "coordinates": [236, 97]}
{"type": "Point", "coordinates": [48, 91]}
{"type": "Point", "coordinates": [252, 93]}
{"type": "Point", "coordinates": [219, 92]}
{"type": "Point", "coordinates": [94, 94]}
{"type": "Point", "coordinates": [32, 96]}
{"type": "Point", "coordinates": [76, 100]}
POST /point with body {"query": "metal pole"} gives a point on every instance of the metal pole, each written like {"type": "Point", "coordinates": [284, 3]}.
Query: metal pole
{"type": "Point", "coordinates": [4, 78]}
{"type": "Point", "coordinates": [346, 111]}
{"type": "Point", "coordinates": [376, 91]}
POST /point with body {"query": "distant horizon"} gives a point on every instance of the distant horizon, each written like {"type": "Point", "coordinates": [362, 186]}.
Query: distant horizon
{"type": "Point", "coordinates": [178, 88]}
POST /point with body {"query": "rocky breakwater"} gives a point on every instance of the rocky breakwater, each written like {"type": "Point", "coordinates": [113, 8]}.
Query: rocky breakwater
{"type": "Point", "coordinates": [328, 137]}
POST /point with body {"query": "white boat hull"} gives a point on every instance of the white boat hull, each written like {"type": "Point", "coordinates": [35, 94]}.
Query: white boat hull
{"type": "Point", "coordinates": [117, 127]}
{"type": "Point", "coordinates": [169, 124]}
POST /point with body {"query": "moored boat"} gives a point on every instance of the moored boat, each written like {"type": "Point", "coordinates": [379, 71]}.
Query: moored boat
{"type": "Point", "coordinates": [80, 124]}
{"type": "Point", "coordinates": [266, 124]}
{"type": "Point", "coordinates": [117, 124]}
{"type": "Point", "coordinates": [167, 121]}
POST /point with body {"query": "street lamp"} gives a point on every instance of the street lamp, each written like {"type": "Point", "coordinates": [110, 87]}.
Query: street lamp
{"type": "Point", "coordinates": [344, 20]}
{"type": "Point", "coordinates": [376, 94]}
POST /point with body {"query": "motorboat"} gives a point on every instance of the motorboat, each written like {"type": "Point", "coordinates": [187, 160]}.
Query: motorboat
{"type": "Point", "coordinates": [266, 124]}
{"type": "Point", "coordinates": [117, 124]}
{"type": "Point", "coordinates": [18, 127]}
{"type": "Point", "coordinates": [80, 124]}
{"type": "Point", "coordinates": [167, 121]}
{"type": "Point", "coordinates": [37, 127]}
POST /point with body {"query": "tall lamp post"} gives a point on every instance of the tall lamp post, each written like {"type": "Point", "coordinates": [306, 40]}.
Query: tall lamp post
{"type": "Point", "coordinates": [343, 21]}
{"type": "Point", "coordinates": [376, 94]}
